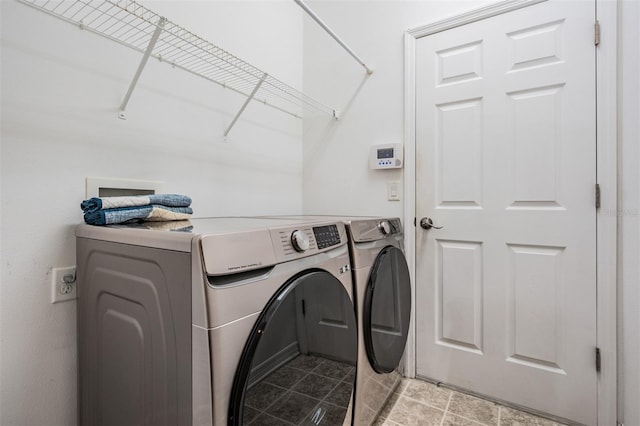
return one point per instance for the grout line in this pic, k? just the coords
(475, 422)
(270, 415)
(331, 391)
(290, 387)
(499, 406)
(419, 402)
(426, 403)
(446, 409)
(289, 390)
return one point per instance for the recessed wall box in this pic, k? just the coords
(114, 187)
(386, 156)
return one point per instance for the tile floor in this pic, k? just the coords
(309, 385)
(300, 392)
(416, 402)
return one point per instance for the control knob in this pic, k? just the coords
(299, 241)
(384, 227)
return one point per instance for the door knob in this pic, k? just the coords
(427, 223)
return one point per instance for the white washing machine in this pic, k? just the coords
(382, 290)
(222, 321)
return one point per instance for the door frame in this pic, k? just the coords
(606, 177)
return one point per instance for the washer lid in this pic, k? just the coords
(387, 310)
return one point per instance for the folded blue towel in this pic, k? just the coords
(137, 214)
(170, 200)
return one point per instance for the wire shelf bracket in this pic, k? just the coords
(143, 62)
(246, 102)
(128, 23)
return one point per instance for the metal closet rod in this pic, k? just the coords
(332, 34)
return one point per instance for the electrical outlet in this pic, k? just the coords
(63, 284)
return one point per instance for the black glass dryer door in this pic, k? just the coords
(387, 310)
(284, 375)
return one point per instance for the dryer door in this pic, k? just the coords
(284, 376)
(387, 310)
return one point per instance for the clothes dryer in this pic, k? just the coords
(383, 294)
(222, 321)
(382, 290)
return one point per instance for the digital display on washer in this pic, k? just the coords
(385, 153)
(326, 236)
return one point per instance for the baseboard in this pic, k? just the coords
(274, 362)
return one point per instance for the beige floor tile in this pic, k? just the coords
(367, 416)
(408, 412)
(406, 408)
(374, 393)
(391, 402)
(453, 420)
(428, 393)
(403, 384)
(384, 422)
(511, 417)
(474, 409)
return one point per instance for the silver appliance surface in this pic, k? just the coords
(383, 294)
(378, 267)
(178, 235)
(218, 304)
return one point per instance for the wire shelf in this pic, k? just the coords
(130, 24)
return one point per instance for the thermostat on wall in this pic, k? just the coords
(387, 156)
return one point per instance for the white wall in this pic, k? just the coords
(336, 174)
(629, 213)
(61, 88)
(60, 91)
(1, 261)
(336, 177)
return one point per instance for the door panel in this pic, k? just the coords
(328, 319)
(505, 161)
(535, 295)
(459, 300)
(460, 148)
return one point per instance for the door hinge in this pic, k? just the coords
(596, 33)
(414, 221)
(597, 196)
(304, 308)
(598, 360)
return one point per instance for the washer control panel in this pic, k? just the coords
(307, 239)
(251, 247)
(326, 236)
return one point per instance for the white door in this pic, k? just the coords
(505, 162)
(329, 318)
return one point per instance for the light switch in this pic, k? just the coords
(393, 191)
